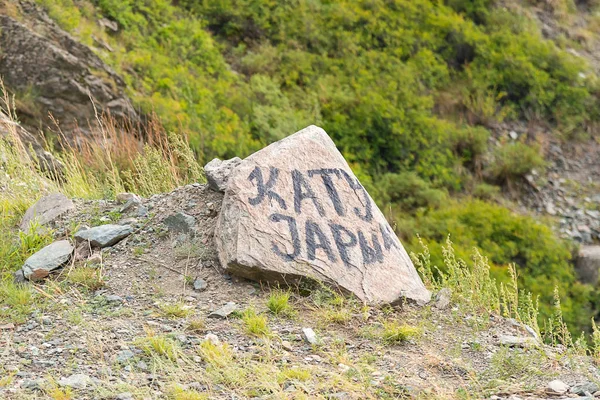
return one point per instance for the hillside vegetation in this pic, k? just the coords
(408, 89)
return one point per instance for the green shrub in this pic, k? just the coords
(513, 161)
(542, 260)
(409, 191)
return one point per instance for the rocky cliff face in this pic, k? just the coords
(58, 75)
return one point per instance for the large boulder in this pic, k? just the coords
(61, 75)
(46, 210)
(295, 209)
(48, 259)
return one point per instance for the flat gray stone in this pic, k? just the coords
(180, 223)
(295, 210)
(587, 264)
(76, 381)
(46, 210)
(309, 335)
(516, 341)
(557, 386)
(125, 355)
(218, 171)
(584, 389)
(49, 258)
(104, 235)
(200, 284)
(224, 311)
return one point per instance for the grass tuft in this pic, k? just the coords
(279, 303)
(255, 324)
(87, 277)
(175, 310)
(394, 332)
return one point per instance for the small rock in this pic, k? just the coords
(132, 204)
(287, 345)
(94, 259)
(113, 298)
(212, 338)
(584, 389)
(180, 222)
(125, 355)
(46, 210)
(76, 381)
(104, 235)
(46, 320)
(125, 197)
(218, 171)
(224, 311)
(442, 299)
(19, 277)
(514, 341)
(309, 335)
(557, 386)
(34, 384)
(48, 259)
(124, 396)
(200, 284)
(513, 135)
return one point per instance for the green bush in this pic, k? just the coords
(513, 161)
(409, 191)
(542, 260)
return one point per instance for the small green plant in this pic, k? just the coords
(196, 325)
(17, 301)
(176, 392)
(175, 310)
(293, 374)
(255, 324)
(394, 332)
(513, 161)
(516, 364)
(279, 303)
(215, 354)
(86, 277)
(159, 345)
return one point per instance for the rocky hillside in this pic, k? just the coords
(142, 311)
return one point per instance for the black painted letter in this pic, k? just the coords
(331, 190)
(366, 201)
(389, 237)
(370, 254)
(302, 190)
(316, 239)
(293, 233)
(265, 189)
(338, 233)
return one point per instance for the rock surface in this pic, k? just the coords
(180, 222)
(295, 209)
(104, 235)
(37, 53)
(224, 311)
(218, 172)
(48, 259)
(46, 210)
(557, 386)
(587, 264)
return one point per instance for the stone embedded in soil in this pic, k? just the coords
(584, 389)
(295, 209)
(125, 197)
(309, 335)
(76, 381)
(442, 299)
(557, 386)
(180, 222)
(224, 311)
(200, 284)
(516, 341)
(48, 259)
(104, 235)
(46, 210)
(218, 172)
